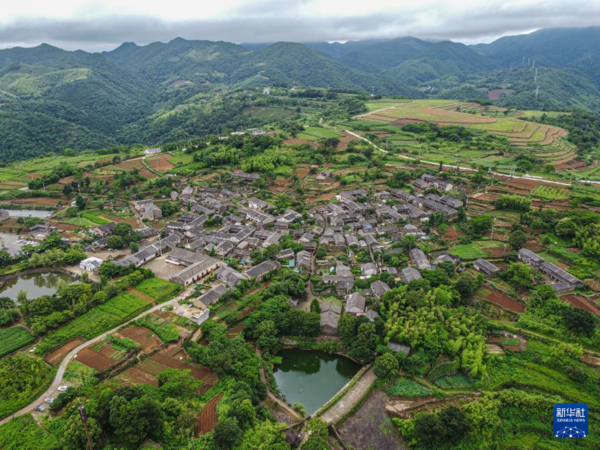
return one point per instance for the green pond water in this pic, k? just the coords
(35, 285)
(312, 378)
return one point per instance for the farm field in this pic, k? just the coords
(158, 289)
(14, 338)
(448, 112)
(96, 321)
(500, 299)
(553, 193)
(165, 330)
(147, 371)
(208, 417)
(147, 339)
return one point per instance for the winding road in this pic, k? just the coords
(58, 378)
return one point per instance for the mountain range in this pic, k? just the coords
(51, 98)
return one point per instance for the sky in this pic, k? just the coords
(105, 24)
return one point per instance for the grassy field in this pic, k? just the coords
(14, 338)
(158, 288)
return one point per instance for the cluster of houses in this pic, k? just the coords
(223, 224)
(562, 280)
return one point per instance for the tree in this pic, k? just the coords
(178, 383)
(133, 420)
(456, 423)
(115, 242)
(317, 440)
(386, 366)
(227, 433)
(122, 229)
(465, 288)
(74, 436)
(479, 225)
(315, 306)
(80, 202)
(519, 276)
(517, 239)
(579, 321)
(134, 247)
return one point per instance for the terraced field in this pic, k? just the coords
(519, 132)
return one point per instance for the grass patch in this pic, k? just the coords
(158, 289)
(408, 388)
(467, 251)
(452, 381)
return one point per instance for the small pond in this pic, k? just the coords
(312, 378)
(35, 285)
(29, 213)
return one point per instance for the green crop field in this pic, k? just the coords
(467, 251)
(158, 288)
(551, 192)
(407, 388)
(165, 330)
(14, 338)
(96, 321)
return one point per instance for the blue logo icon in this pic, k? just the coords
(570, 420)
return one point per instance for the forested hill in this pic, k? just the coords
(51, 99)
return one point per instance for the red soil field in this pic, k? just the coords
(160, 163)
(580, 302)
(298, 141)
(451, 233)
(302, 172)
(208, 417)
(38, 201)
(534, 246)
(146, 338)
(137, 376)
(94, 359)
(131, 164)
(495, 252)
(57, 355)
(401, 122)
(504, 301)
(147, 174)
(344, 141)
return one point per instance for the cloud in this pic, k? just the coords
(304, 21)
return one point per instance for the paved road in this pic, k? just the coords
(468, 169)
(354, 394)
(52, 391)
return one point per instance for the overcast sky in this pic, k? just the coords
(105, 24)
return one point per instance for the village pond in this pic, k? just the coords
(312, 378)
(35, 285)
